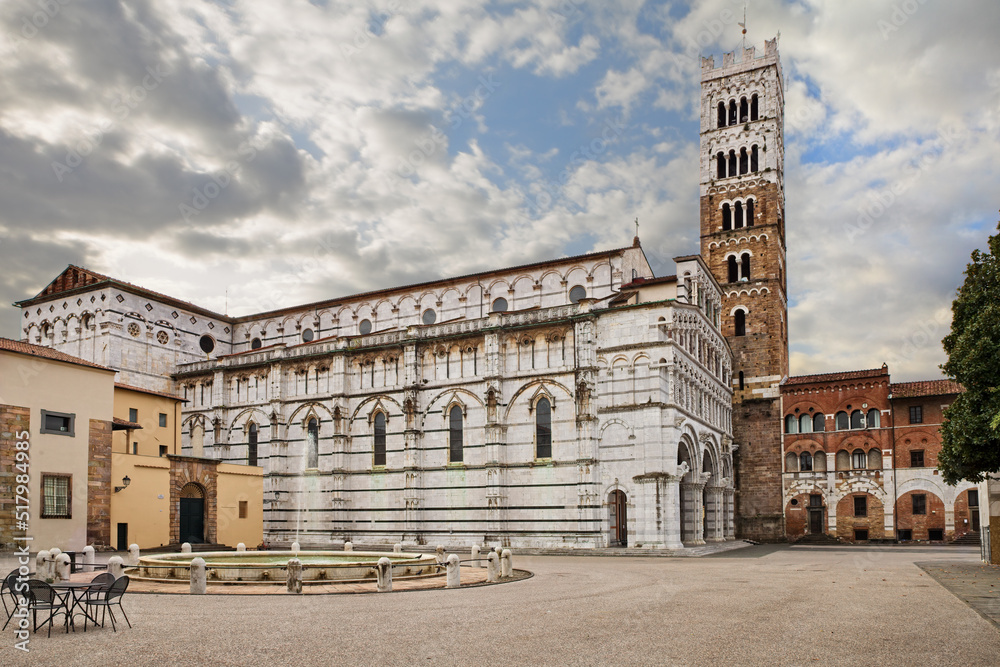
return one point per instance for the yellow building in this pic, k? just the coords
(55, 420)
(170, 498)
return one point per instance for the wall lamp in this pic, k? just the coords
(125, 482)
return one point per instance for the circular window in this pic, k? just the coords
(795, 501)
(255, 344)
(365, 327)
(133, 330)
(207, 344)
(430, 316)
(577, 293)
(307, 335)
(163, 337)
(500, 305)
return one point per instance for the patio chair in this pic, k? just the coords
(43, 597)
(101, 583)
(112, 596)
(7, 592)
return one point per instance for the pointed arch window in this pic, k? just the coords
(378, 454)
(543, 429)
(740, 322)
(252, 446)
(455, 451)
(312, 443)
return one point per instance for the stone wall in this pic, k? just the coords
(847, 523)
(99, 484)
(204, 473)
(13, 420)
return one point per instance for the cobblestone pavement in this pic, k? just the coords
(755, 606)
(975, 584)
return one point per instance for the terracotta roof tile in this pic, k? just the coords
(20, 347)
(123, 424)
(925, 388)
(836, 377)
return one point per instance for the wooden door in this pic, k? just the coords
(192, 520)
(816, 521)
(618, 515)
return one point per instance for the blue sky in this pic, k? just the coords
(248, 155)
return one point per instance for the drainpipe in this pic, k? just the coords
(895, 492)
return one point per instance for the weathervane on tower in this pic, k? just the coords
(744, 26)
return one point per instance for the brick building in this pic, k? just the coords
(860, 456)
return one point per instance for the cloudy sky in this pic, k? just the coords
(294, 151)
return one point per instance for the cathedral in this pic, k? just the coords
(579, 402)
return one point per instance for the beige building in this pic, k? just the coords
(61, 407)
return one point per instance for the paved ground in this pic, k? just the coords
(755, 606)
(975, 584)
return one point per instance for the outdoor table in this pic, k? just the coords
(77, 591)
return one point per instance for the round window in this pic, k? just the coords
(500, 305)
(795, 501)
(207, 344)
(163, 337)
(307, 335)
(577, 293)
(429, 316)
(365, 327)
(133, 330)
(255, 344)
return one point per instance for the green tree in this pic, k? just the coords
(971, 431)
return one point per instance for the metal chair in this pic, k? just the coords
(112, 596)
(7, 590)
(44, 597)
(101, 583)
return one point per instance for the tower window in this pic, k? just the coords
(739, 214)
(722, 114)
(749, 212)
(753, 158)
(744, 161)
(732, 112)
(740, 322)
(753, 108)
(732, 163)
(378, 449)
(741, 378)
(727, 217)
(745, 266)
(744, 110)
(734, 272)
(543, 429)
(720, 165)
(455, 435)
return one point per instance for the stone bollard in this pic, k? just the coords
(241, 547)
(454, 572)
(295, 547)
(397, 548)
(53, 552)
(441, 558)
(116, 566)
(348, 546)
(199, 579)
(383, 571)
(475, 556)
(133, 555)
(506, 564)
(62, 567)
(186, 548)
(294, 581)
(492, 568)
(88, 556)
(42, 565)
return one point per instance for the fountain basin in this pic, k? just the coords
(271, 566)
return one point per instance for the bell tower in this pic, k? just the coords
(743, 243)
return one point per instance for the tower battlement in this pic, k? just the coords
(748, 60)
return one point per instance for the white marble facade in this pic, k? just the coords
(635, 374)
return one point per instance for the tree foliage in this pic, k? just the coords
(971, 431)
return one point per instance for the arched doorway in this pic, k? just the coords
(192, 514)
(618, 515)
